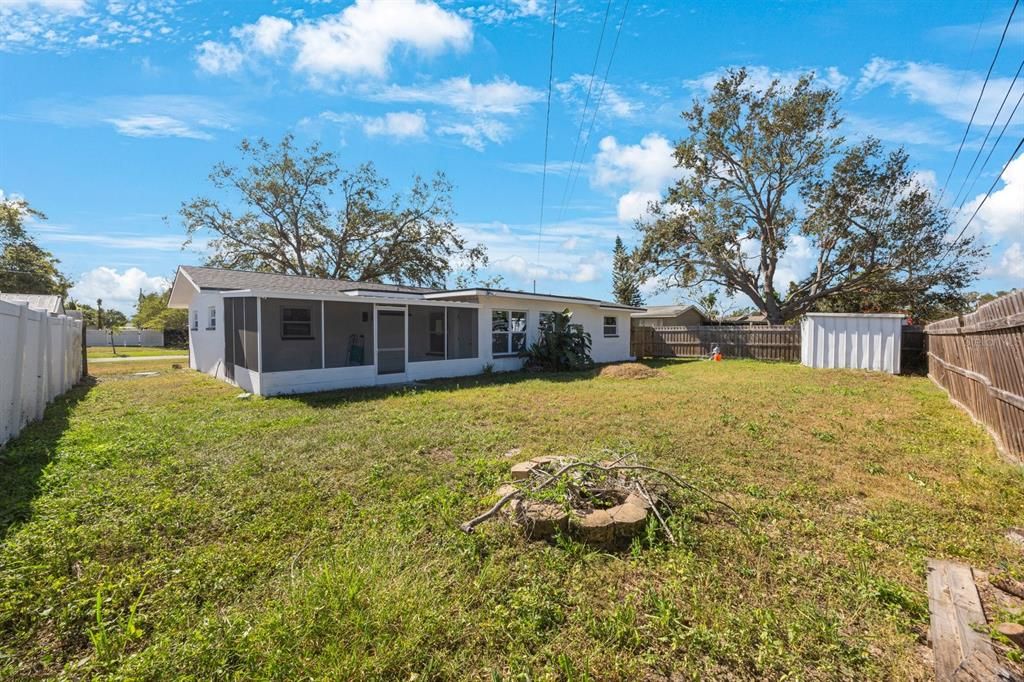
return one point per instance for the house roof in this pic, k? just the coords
(192, 279)
(51, 303)
(668, 311)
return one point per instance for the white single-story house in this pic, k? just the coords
(274, 334)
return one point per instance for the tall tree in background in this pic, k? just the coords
(766, 171)
(152, 312)
(288, 222)
(25, 268)
(625, 279)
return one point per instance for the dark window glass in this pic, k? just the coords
(296, 323)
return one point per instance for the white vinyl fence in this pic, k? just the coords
(40, 358)
(150, 338)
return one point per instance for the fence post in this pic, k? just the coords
(19, 368)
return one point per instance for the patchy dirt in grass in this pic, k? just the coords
(628, 370)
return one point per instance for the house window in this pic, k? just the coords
(508, 331)
(611, 326)
(296, 323)
(195, 320)
(211, 317)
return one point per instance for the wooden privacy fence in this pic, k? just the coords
(780, 342)
(776, 342)
(40, 358)
(979, 359)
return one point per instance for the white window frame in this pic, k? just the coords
(195, 320)
(509, 332)
(614, 326)
(285, 323)
(211, 318)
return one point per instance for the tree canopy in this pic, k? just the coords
(625, 278)
(765, 173)
(151, 312)
(25, 267)
(298, 212)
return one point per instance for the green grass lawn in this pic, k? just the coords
(157, 527)
(131, 351)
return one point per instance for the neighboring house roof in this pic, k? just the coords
(752, 318)
(51, 303)
(667, 311)
(191, 279)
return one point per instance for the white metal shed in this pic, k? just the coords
(852, 341)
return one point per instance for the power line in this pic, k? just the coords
(987, 195)
(995, 144)
(980, 96)
(989, 132)
(586, 103)
(600, 97)
(547, 128)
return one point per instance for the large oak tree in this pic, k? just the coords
(25, 267)
(298, 212)
(767, 170)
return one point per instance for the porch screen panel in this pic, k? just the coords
(463, 333)
(229, 344)
(236, 338)
(290, 334)
(426, 333)
(250, 337)
(348, 334)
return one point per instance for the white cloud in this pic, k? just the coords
(399, 125)
(56, 6)
(1013, 261)
(760, 77)
(1003, 213)
(952, 93)
(266, 36)
(476, 134)
(118, 290)
(492, 13)
(219, 59)
(500, 96)
(145, 116)
(645, 170)
(613, 103)
(157, 126)
(361, 38)
(63, 25)
(358, 41)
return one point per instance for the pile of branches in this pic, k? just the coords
(601, 503)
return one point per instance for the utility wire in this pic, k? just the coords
(980, 96)
(987, 195)
(597, 105)
(989, 132)
(995, 144)
(547, 128)
(586, 105)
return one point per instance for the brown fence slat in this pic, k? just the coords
(979, 360)
(777, 342)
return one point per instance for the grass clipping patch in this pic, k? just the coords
(606, 504)
(628, 370)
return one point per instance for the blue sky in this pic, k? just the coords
(113, 112)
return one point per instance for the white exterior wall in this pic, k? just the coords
(40, 358)
(206, 346)
(851, 341)
(206, 349)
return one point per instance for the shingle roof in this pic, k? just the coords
(666, 310)
(51, 303)
(227, 280)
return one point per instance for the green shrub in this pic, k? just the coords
(562, 345)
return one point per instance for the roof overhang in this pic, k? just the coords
(482, 293)
(182, 291)
(347, 297)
